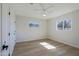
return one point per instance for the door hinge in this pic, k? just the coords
(9, 13)
(9, 54)
(9, 34)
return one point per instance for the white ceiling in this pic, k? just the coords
(35, 10)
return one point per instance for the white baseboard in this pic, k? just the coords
(64, 42)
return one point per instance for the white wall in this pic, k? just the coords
(67, 37)
(0, 29)
(25, 33)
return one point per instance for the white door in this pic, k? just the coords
(0, 29)
(5, 30)
(8, 30)
(12, 31)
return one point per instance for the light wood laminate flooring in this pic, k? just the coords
(35, 48)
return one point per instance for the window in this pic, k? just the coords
(33, 24)
(63, 25)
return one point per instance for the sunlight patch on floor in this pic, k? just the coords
(47, 45)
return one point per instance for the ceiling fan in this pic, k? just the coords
(44, 10)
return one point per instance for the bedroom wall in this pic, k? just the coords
(67, 37)
(26, 33)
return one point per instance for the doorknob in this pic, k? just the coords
(4, 47)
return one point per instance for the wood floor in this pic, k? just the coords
(34, 48)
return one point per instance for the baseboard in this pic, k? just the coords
(64, 42)
(31, 40)
(55, 39)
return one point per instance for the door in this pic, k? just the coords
(5, 30)
(12, 31)
(0, 29)
(8, 30)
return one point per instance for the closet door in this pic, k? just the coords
(0, 29)
(5, 29)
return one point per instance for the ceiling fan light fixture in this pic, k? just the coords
(44, 14)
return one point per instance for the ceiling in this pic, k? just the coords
(37, 10)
